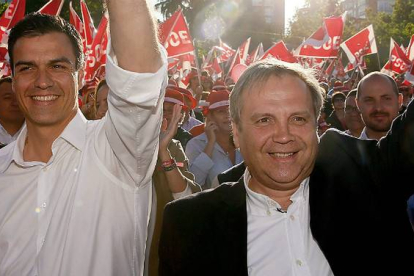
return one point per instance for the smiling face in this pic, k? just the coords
(45, 79)
(277, 134)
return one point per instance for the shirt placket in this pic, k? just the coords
(41, 209)
(293, 231)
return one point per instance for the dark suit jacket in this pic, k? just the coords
(358, 195)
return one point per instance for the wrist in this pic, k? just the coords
(168, 165)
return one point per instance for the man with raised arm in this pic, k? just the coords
(75, 194)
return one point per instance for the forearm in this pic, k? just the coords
(176, 181)
(134, 35)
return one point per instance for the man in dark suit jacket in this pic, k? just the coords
(357, 191)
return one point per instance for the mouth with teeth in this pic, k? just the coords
(282, 154)
(48, 98)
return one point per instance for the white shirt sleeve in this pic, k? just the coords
(132, 123)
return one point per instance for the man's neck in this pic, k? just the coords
(12, 127)
(39, 140)
(371, 134)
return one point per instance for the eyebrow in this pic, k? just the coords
(53, 61)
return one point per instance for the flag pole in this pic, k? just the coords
(379, 64)
(196, 62)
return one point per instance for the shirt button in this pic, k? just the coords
(44, 205)
(292, 217)
(299, 262)
(45, 169)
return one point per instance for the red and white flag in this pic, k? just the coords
(279, 51)
(227, 53)
(88, 26)
(256, 54)
(398, 62)
(8, 15)
(14, 13)
(75, 20)
(409, 75)
(359, 45)
(96, 55)
(324, 43)
(178, 41)
(410, 49)
(53, 7)
(244, 50)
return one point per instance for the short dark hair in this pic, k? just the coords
(377, 74)
(37, 24)
(5, 79)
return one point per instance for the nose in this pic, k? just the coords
(43, 79)
(282, 133)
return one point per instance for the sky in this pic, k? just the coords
(290, 9)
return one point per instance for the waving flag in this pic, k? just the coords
(9, 18)
(256, 54)
(75, 20)
(53, 7)
(398, 62)
(88, 27)
(244, 50)
(324, 43)
(359, 45)
(96, 55)
(409, 76)
(279, 51)
(178, 40)
(410, 49)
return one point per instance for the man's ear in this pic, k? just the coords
(81, 79)
(235, 135)
(400, 99)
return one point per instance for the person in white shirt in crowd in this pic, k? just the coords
(213, 151)
(379, 102)
(75, 195)
(11, 117)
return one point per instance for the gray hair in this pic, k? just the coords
(261, 71)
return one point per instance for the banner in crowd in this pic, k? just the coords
(324, 43)
(398, 62)
(53, 7)
(359, 45)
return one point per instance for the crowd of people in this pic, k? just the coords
(276, 174)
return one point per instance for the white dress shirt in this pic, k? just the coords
(86, 211)
(278, 242)
(6, 138)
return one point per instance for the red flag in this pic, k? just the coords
(96, 55)
(235, 60)
(409, 76)
(359, 45)
(410, 49)
(324, 43)
(19, 13)
(279, 51)
(398, 63)
(8, 15)
(244, 50)
(178, 41)
(166, 27)
(88, 27)
(256, 54)
(53, 7)
(228, 51)
(75, 20)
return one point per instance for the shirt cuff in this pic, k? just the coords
(184, 193)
